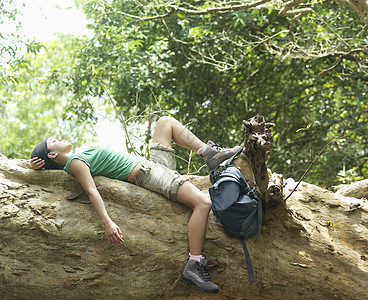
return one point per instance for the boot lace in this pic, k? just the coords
(203, 272)
(217, 147)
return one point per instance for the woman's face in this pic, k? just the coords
(58, 145)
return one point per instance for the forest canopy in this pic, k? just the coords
(210, 64)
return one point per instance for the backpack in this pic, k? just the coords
(235, 204)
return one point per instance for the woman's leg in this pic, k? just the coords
(169, 129)
(195, 271)
(191, 196)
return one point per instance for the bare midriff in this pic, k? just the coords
(133, 174)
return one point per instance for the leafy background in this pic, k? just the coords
(207, 67)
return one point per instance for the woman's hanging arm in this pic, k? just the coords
(82, 173)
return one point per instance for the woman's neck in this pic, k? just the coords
(62, 158)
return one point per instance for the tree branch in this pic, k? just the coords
(339, 60)
(174, 8)
(222, 9)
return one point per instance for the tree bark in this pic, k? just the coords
(314, 246)
(356, 190)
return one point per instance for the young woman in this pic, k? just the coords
(157, 174)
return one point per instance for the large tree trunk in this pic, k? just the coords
(314, 246)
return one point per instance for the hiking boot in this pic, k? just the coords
(214, 155)
(196, 273)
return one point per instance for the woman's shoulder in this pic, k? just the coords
(77, 156)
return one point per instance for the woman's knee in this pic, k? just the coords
(204, 203)
(166, 120)
(164, 131)
(191, 196)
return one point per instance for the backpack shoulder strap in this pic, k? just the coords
(247, 258)
(260, 217)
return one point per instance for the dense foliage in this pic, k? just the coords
(12, 44)
(212, 70)
(35, 106)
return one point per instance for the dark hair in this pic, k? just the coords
(41, 151)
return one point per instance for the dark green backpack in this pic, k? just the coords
(235, 204)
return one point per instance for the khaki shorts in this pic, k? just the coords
(158, 174)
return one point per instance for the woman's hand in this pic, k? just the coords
(37, 163)
(113, 232)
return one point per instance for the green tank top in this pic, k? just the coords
(105, 162)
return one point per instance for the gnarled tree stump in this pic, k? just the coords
(252, 162)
